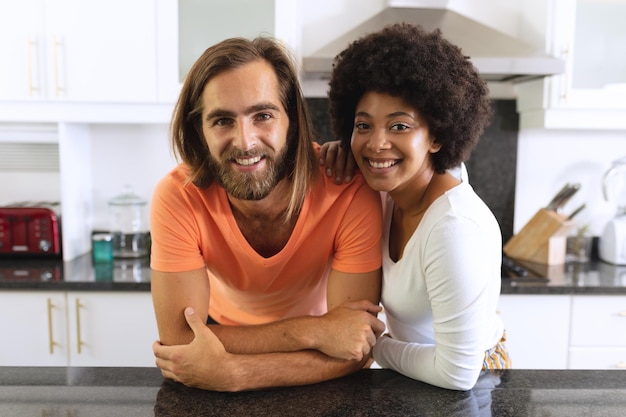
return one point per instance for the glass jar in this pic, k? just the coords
(129, 225)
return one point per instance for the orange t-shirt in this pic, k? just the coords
(339, 227)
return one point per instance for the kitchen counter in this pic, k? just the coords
(131, 392)
(81, 274)
(595, 277)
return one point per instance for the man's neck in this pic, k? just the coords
(272, 207)
(263, 222)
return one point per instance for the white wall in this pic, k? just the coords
(547, 159)
(137, 155)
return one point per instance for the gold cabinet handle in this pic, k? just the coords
(32, 86)
(79, 340)
(621, 365)
(622, 313)
(51, 342)
(58, 87)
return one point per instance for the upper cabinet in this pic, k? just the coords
(78, 51)
(188, 27)
(118, 61)
(591, 94)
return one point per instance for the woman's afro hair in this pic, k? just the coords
(424, 70)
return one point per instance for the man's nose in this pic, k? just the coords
(245, 136)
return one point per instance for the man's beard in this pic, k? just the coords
(249, 185)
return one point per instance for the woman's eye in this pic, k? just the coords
(399, 126)
(361, 126)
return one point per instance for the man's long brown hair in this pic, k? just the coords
(188, 142)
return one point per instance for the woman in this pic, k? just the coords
(411, 106)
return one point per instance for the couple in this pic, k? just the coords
(265, 272)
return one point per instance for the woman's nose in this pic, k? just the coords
(378, 141)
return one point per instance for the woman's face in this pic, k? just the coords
(391, 142)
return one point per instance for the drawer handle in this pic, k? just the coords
(79, 339)
(622, 313)
(51, 342)
(621, 365)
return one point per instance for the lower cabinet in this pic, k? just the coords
(77, 328)
(537, 328)
(598, 336)
(565, 331)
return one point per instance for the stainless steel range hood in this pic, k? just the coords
(497, 56)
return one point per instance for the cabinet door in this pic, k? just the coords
(597, 358)
(102, 51)
(537, 328)
(111, 329)
(599, 321)
(21, 49)
(33, 328)
(592, 36)
(74, 50)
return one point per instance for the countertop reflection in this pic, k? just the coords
(370, 392)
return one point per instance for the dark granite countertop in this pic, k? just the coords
(81, 274)
(131, 392)
(595, 277)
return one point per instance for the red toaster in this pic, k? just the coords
(29, 231)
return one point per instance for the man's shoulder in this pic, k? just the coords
(325, 189)
(176, 183)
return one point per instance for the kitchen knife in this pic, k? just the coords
(562, 197)
(553, 204)
(569, 193)
(575, 212)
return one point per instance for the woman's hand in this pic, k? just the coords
(338, 161)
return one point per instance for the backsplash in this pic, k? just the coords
(491, 168)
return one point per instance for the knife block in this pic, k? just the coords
(542, 240)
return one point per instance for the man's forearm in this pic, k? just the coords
(249, 372)
(289, 335)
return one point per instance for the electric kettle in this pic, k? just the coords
(612, 244)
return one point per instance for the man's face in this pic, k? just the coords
(245, 127)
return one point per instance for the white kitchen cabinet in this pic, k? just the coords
(77, 328)
(598, 332)
(537, 328)
(33, 326)
(187, 27)
(77, 50)
(111, 329)
(591, 37)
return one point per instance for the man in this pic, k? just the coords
(281, 264)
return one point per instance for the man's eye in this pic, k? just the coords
(223, 122)
(264, 116)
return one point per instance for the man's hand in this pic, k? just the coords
(349, 331)
(338, 161)
(203, 363)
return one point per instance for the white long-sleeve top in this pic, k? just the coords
(440, 298)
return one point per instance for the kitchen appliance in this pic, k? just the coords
(129, 225)
(496, 55)
(612, 243)
(30, 229)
